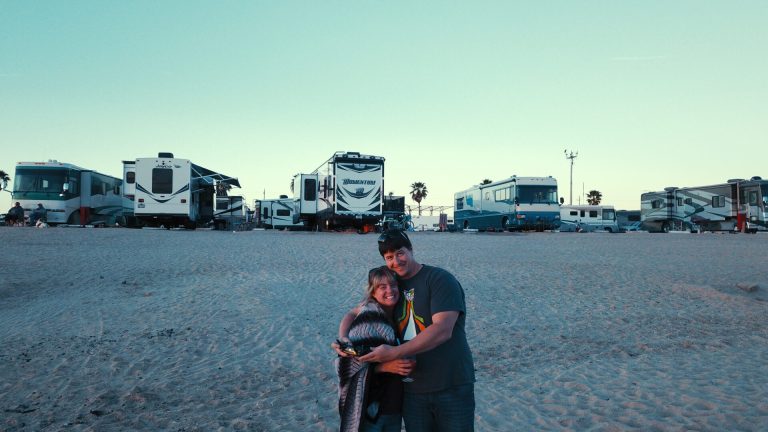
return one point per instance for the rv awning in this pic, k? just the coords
(212, 177)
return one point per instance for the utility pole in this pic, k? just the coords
(571, 156)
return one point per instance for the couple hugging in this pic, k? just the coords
(427, 382)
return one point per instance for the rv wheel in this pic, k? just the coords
(466, 224)
(665, 227)
(504, 223)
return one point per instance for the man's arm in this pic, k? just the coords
(433, 336)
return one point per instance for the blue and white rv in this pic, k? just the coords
(588, 218)
(736, 205)
(71, 195)
(513, 204)
(276, 213)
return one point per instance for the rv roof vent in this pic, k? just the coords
(283, 196)
(670, 189)
(735, 180)
(165, 155)
(756, 178)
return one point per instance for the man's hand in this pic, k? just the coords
(400, 367)
(380, 354)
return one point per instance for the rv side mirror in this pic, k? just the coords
(562, 200)
(65, 188)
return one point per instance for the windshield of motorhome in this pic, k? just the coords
(49, 180)
(537, 194)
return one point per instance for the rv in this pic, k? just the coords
(231, 213)
(72, 195)
(737, 204)
(588, 218)
(277, 213)
(513, 204)
(346, 191)
(173, 192)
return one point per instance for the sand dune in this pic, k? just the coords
(117, 329)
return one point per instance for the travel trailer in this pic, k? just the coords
(588, 218)
(513, 204)
(736, 205)
(345, 192)
(231, 213)
(173, 192)
(277, 213)
(71, 195)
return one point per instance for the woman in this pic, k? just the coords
(370, 395)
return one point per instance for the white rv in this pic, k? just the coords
(71, 195)
(346, 191)
(588, 218)
(171, 191)
(514, 204)
(278, 213)
(231, 213)
(738, 204)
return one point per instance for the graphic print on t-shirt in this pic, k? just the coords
(408, 323)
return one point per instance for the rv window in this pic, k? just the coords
(753, 198)
(266, 212)
(633, 218)
(688, 201)
(130, 177)
(310, 190)
(283, 212)
(679, 202)
(574, 213)
(162, 180)
(459, 203)
(221, 205)
(718, 201)
(609, 214)
(582, 213)
(656, 204)
(593, 213)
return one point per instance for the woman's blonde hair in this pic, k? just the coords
(376, 276)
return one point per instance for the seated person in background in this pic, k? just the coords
(15, 215)
(37, 214)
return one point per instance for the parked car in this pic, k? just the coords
(634, 226)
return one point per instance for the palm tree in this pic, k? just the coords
(486, 181)
(418, 193)
(4, 179)
(594, 197)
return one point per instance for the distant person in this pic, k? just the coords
(15, 215)
(371, 394)
(38, 214)
(431, 319)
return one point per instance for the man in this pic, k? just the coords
(15, 215)
(37, 214)
(431, 316)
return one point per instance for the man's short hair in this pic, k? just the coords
(392, 240)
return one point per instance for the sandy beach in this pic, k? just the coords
(119, 329)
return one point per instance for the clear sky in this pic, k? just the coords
(651, 94)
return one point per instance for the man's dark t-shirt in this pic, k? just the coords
(430, 291)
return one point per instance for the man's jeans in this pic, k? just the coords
(447, 410)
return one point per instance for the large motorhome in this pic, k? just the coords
(276, 213)
(588, 218)
(737, 205)
(346, 191)
(514, 204)
(72, 195)
(173, 192)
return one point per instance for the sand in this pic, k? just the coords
(119, 329)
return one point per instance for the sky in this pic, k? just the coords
(650, 94)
